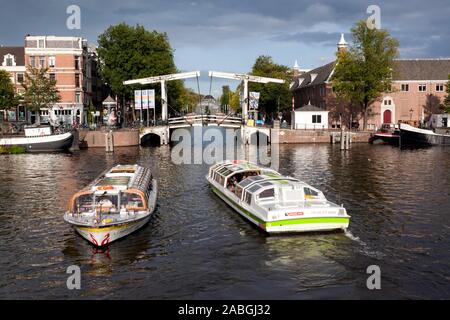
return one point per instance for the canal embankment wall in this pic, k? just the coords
(130, 137)
(97, 139)
(316, 136)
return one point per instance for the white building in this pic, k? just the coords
(439, 120)
(309, 117)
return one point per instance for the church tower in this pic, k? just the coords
(342, 45)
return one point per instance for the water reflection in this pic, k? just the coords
(197, 247)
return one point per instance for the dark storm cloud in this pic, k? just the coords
(325, 38)
(421, 26)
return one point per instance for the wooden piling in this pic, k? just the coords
(109, 141)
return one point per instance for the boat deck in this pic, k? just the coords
(90, 219)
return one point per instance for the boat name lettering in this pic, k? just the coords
(294, 214)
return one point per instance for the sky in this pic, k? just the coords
(228, 35)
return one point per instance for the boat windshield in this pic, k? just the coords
(131, 201)
(84, 203)
(107, 203)
(104, 203)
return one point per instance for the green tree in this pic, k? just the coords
(188, 100)
(365, 71)
(40, 90)
(235, 100)
(274, 97)
(89, 110)
(225, 98)
(446, 104)
(128, 52)
(8, 98)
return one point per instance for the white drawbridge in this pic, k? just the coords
(246, 78)
(162, 80)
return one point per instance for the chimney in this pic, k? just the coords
(342, 45)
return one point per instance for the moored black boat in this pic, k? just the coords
(40, 139)
(411, 136)
(388, 134)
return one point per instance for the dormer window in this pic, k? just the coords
(9, 60)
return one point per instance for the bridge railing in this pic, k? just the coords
(219, 119)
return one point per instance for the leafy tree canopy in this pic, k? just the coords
(40, 90)
(446, 104)
(365, 71)
(226, 96)
(132, 52)
(8, 98)
(273, 96)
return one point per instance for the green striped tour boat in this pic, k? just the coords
(275, 203)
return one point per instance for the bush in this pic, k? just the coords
(12, 150)
(16, 150)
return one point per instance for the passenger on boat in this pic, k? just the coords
(106, 204)
(232, 183)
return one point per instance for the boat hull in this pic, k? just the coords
(102, 236)
(410, 136)
(385, 138)
(53, 143)
(299, 225)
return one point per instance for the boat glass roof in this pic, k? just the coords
(249, 180)
(114, 181)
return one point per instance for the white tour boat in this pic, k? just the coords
(114, 205)
(275, 203)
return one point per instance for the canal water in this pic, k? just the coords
(196, 247)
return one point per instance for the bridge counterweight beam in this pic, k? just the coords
(245, 102)
(164, 111)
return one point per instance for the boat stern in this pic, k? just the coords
(291, 222)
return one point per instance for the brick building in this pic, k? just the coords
(71, 62)
(64, 56)
(417, 90)
(12, 60)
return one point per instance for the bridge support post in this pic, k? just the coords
(164, 111)
(165, 136)
(245, 104)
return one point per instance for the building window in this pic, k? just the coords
(439, 87)
(316, 118)
(9, 61)
(422, 87)
(41, 43)
(33, 62)
(52, 76)
(77, 63)
(77, 97)
(405, 87)
(51, 61)
(42, 62)
(20, 77)
(388, 102)
(77, 80)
